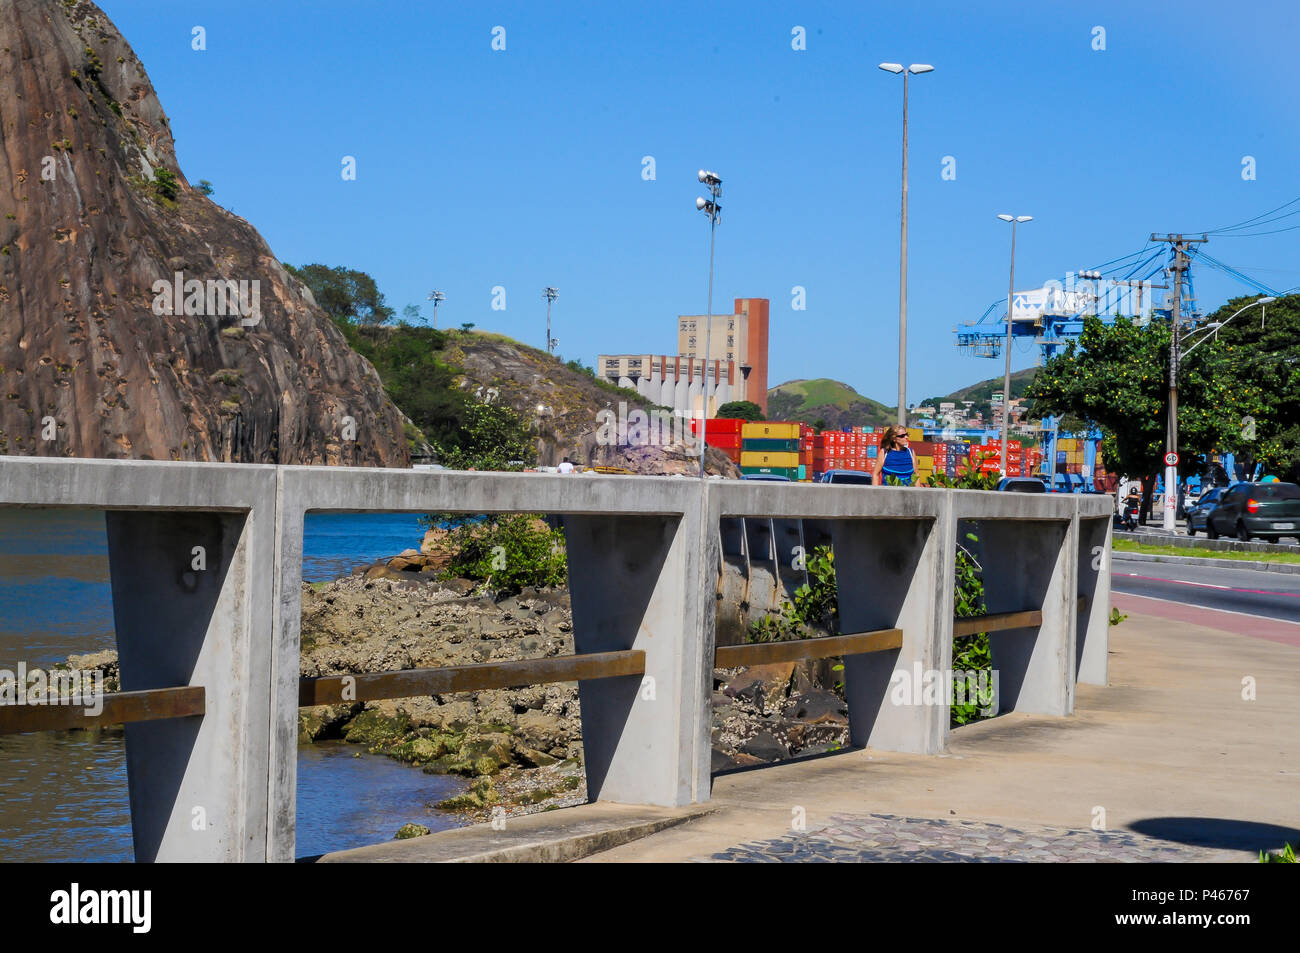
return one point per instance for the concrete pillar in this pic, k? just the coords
(1092, 632)
(184, 607)
(640, 582)
(896, 573)
(1030, 564)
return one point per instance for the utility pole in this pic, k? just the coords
(1179, 244)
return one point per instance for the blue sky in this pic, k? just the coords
(523, 167)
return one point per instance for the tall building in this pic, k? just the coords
(739, 338)
(671, 380)
(737, 362)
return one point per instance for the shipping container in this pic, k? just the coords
(789, 472)
(773, 458)
(759, 444)
(782, 430)
(724, 441)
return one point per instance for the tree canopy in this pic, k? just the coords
(346, 295)
(1239, 393)
(740, 410)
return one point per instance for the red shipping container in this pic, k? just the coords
(724, 441)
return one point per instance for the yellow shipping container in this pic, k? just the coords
(1067, 443)
(769, 458)
(915, 433)
(772, 429)
(924, 463)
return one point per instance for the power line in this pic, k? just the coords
(1249, 220)
(1275, 231)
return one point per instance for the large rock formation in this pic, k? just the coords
(96, 210)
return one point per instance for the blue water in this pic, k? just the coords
(63, 795)
(333, 544)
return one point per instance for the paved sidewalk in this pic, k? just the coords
(890, 838)
(1170, 759)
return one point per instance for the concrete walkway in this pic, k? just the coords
(1169, 757)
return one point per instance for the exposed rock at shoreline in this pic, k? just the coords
(522, 746)
(356, 625)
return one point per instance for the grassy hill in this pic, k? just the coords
(834, 402)
(981, 392)
(839, 405)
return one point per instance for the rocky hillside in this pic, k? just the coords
(94, 360)
(563, 404)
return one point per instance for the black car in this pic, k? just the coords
(1198, 513)
(1256, 510)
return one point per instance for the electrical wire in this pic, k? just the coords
(1225, 228)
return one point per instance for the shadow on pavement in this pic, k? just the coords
(1218, 832)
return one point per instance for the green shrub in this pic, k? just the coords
(508, 552)
(166, 184)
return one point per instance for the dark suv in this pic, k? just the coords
(1256, 510)
(1198, 514)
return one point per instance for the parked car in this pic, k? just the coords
(860, 477)
(1199, 512)
(1256, 510)
(1021, 485)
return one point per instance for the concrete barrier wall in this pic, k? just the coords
(644, 554)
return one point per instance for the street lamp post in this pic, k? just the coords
(902, 264)
(1006, 381)
(436, 297)
(1171, 471)
(551, 294)
(711, 208)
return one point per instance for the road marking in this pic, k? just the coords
(1210, 585)
(1192, 605)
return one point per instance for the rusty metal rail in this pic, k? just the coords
(830, 646)
(410, 683)
(119, 708)
(965, 626)
(995, 622)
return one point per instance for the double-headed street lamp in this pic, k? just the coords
(711, 208)
(551, 294)
(1170, 515)
(902, 266)
(436, 297)
(1006, 381)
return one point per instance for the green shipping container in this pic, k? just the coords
(790, 472)
(769, 444)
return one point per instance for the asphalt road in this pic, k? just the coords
(1272, 594)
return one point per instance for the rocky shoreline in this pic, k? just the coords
(521, 747)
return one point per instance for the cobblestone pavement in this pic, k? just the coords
(890, 837)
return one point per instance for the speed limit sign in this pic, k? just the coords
(1171, 459)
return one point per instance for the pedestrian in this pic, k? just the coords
(565, 467)
(895, 457)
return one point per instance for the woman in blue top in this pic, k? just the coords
(895, 458)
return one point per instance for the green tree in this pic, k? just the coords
(1116, 378)
(205, 187)
(740, 410)
(1257, 359)
(491, 437)
(346, 295)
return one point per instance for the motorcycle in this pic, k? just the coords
(1129, 515)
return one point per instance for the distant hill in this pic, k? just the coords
(834, 402)
(839, 405)
(982, 392)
